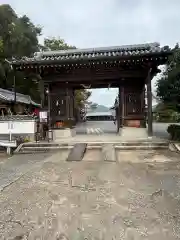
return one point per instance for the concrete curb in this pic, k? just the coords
(47, 147)
(176, 147)
(136, 147)
(31, 150)
(18, 148)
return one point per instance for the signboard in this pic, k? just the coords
(17, 127)
(43, 116)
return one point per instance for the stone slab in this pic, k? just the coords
(77, 153)
(59, 134)
(132, 133)
(108, 152)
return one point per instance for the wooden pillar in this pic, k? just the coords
(149, 104)
(118, 107)
(42, 93)
(49, 107)
(70, 106)
(120, 111)
(143, 108)
(122, 106)
(73, 104)
(67, 104)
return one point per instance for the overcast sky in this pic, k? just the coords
(98, 23)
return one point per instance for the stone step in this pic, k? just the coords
(41, 149)
(34, 144)
(142, 143)
(44, 147)
(141, 147)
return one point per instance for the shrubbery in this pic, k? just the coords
(174, 131)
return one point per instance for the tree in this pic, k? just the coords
(165, 113)
(1, 46)
(53, 44)
(59, 44)
(2, 73)
(19, 34)
(168, 87)
(19, 37)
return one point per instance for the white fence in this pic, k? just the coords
(10, 129)
(17, 127)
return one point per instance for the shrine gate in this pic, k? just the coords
(129, 68)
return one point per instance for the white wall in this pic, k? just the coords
(18, 127)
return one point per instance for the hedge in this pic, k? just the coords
(174, 131)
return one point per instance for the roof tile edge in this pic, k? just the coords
(132, 47)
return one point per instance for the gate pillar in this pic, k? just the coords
(134, 107)
(62, 112)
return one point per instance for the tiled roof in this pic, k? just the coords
(7, 95)
(94, 53)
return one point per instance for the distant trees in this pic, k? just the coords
(18, 38)
(168, 87)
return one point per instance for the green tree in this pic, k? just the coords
(168, 87)
(1, 46)
(19, 34)
(54, 44)
(18, 38)
(165, 113)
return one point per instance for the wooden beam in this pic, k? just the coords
(93, 77)
(99, 84)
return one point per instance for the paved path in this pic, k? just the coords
(93, 199)
(96, 127)
(108, 127)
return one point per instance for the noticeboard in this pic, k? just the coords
(43, 116)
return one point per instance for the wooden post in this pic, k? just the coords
(143, 107)
(122, 106)
(149, 105)
(41, 87)
(118, 111)
(71, 104)
(67, 103)
(49, 109)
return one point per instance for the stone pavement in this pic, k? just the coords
(137, 197)
(13, 168)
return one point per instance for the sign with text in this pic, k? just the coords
(43, 116)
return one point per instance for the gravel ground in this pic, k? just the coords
(92, 199)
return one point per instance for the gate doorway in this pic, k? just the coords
(128, 68)
(99, 113)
